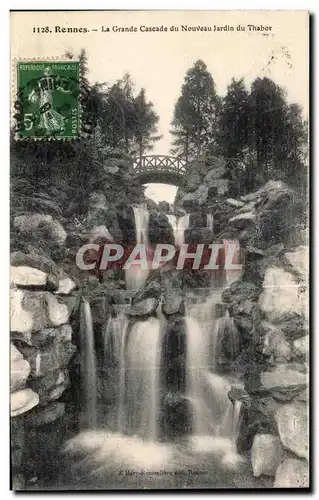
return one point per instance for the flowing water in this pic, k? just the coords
(88, 368)
(142, 378)
(210, 222)
(132, 359)
(179, 227)
(214, 414)
(136, 275)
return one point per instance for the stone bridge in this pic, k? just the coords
(160, 169)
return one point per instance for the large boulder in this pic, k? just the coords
(144, 308)
(301, 346)
(35, 226)
(267, 216)
(284, 379)
(27, 277)
(49, 357)
(276, 347)
(266, 454)
(171, 285)
(292, 473)
(292, 421)
(282, 296)
(159, 229)
(19, 370)
(34, 311)
(40, 262)
(299, 260)
(23, 401)
(66, 286)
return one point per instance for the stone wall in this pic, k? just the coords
(269, 304)
(42, 300)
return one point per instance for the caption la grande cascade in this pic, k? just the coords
(134, 29)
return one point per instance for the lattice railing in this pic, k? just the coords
(159, 163)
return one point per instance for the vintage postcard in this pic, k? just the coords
(159, 223)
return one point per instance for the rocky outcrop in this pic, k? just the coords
(266, 454)
(269, 305)
(41, 348)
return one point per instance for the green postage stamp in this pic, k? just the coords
(47, 103)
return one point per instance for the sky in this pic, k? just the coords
(158, 61)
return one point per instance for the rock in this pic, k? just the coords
(292, 473)
(150, 289)
(126, 222)
(282, 378)
(159, 229)
(42, 416)
(21, 320)
(243, 219)
(40, 262)
(241, 298)
(171, 291)
(43, 226)
(23, 401)
(53, 356)
(292, 421)
(234, 203)
(301, 346)
(40, 204)
(266, 454)
(66, 286)
(268, 215)
(19, 370)
(151, 204)
(144, 308)
(51, 385)
(282, 296)
(23, 276)
(18, 482)
(275, 344)
(228, 341)
(58, 313)
(163, 206)
(299, 259)
(100, 235)
(238, 393)
(303, 395)
(34, 311)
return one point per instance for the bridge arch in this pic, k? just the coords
(160, 169)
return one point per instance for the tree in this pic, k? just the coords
(268, 114)
(233, 127)
(146, 123)
(195, 114)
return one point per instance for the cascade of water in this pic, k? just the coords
(210, 222)
(179, 227)
(88, 368)
(135, 276)
(214, 412)
(114, 345)
(142, 360)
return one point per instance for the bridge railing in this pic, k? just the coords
(159, 163)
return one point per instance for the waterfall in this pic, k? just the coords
(142, 378)
(135, 276)
(141, 216)
(214, 414)
(114, 349)
(179, 227)
(88, 368)
(210, 222)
